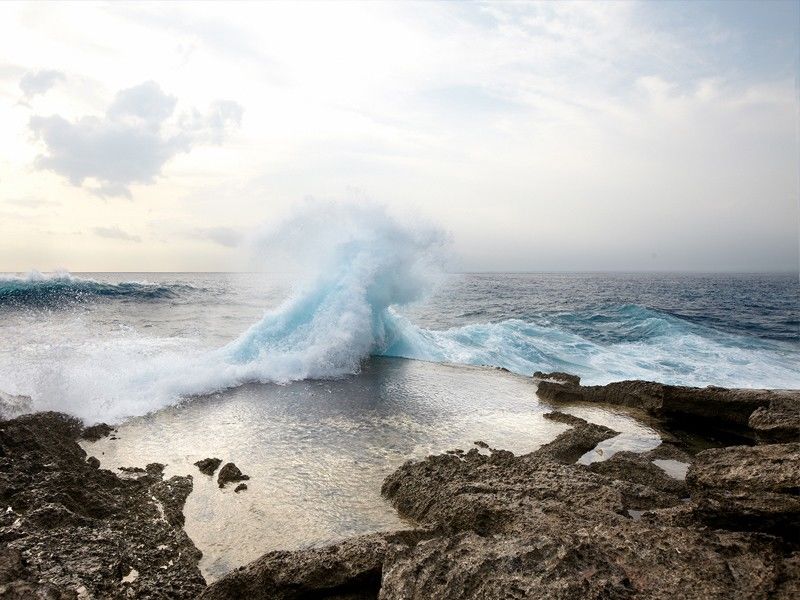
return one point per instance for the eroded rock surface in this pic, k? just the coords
(748, 488)
(74, 530)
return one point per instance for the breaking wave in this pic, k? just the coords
(60, 289)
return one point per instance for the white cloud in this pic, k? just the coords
(131, 143)
(39, 82)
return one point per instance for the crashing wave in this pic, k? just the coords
(56, 289)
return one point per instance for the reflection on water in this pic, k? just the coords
(318, 451)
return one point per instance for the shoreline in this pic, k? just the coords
(489, 524)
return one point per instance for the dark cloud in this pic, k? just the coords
(115, 233)
(39, 82)
(131, 143)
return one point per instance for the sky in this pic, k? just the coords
(542, 137)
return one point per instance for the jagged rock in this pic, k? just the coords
(78, 528)
(230, 472)
(557, 377)
(96, 432)
(350, 570)
(748, 488)
(207, 466)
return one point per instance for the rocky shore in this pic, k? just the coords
(486, 523)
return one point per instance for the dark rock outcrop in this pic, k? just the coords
(770, 413)
(240, 488)
(74, 530)
(207, 466)
(557, 377)
(574, 443)
(96, 432)
(229, 473)
(350, 570)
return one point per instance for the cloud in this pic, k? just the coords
(115, 233)
(39, 82)
(224, 236)
(31, 202)
(132, 142)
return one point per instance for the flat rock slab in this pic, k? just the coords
(749, 487)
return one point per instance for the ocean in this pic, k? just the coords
(113, 345)
(319, 386)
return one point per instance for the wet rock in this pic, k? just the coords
(207, 466)
(79, 529)
(349, 570)
(565, 418)
(230, 472)
(557, 377)
(240, 488)
(96, 432)
(574, 443)
(748, 488)
(93, 462)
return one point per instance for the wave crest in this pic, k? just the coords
(57, 289)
